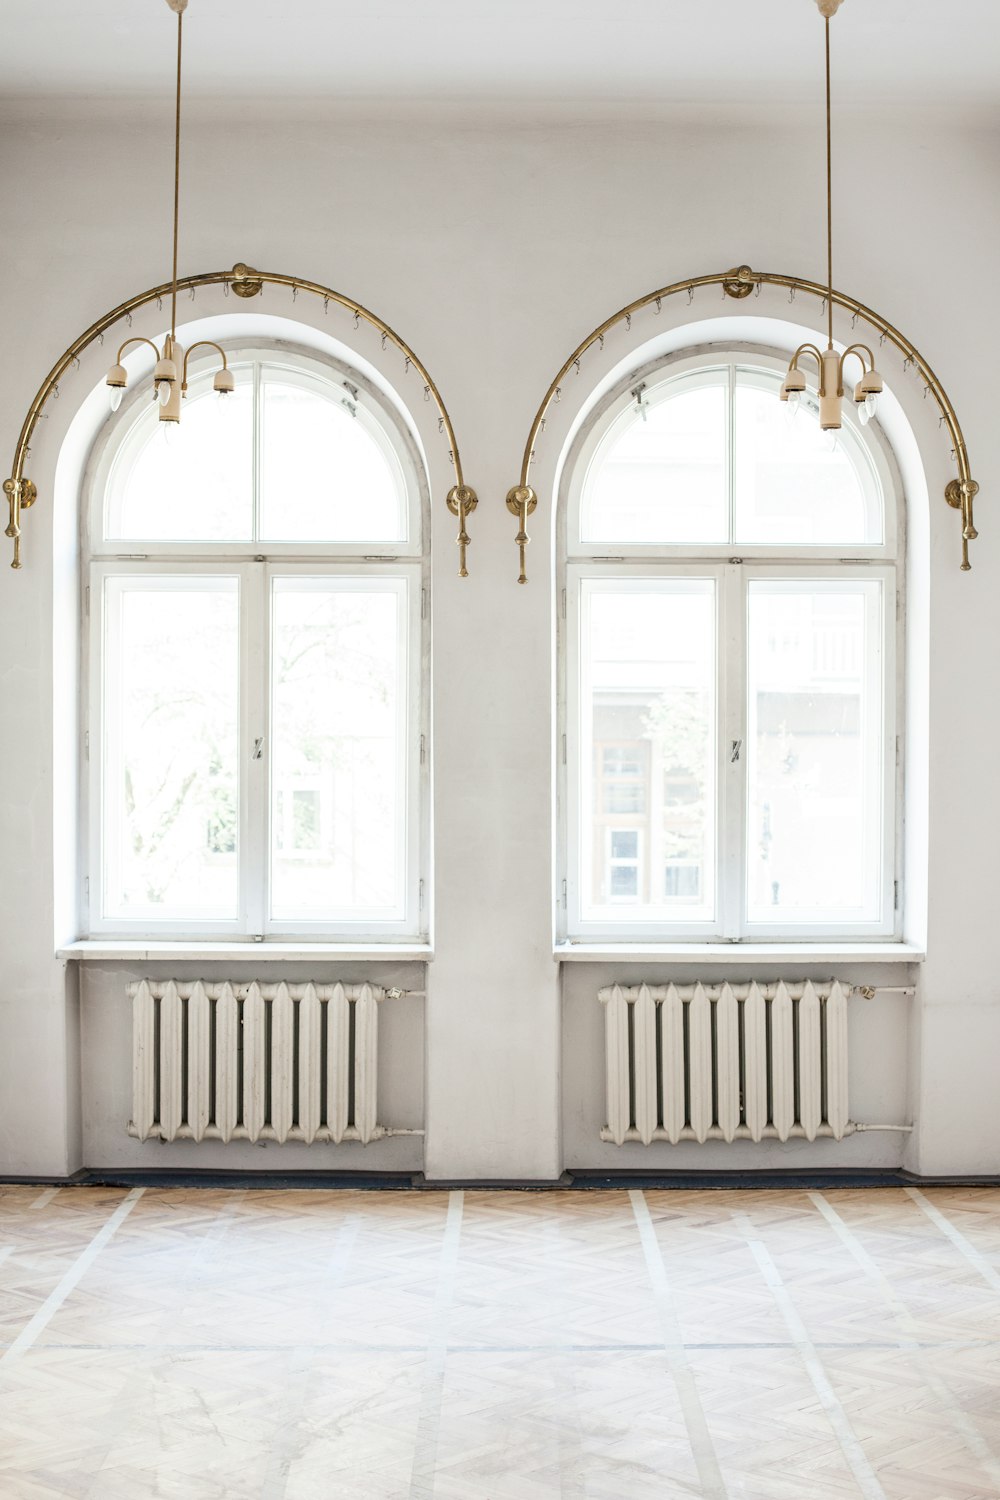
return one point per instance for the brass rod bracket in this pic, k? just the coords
(739, 283)
(20, 494)
(246, 282)
(521, 501)
(462, 501)
(28, 493)
(956, 489)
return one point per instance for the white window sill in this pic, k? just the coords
(92, 949)
(739, 953)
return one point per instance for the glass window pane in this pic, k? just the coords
(659, 477)
(788, 486)
(327, 473)
(814, 837)
(648, 749)
(338, 799)
(189, 481)
(171, 785)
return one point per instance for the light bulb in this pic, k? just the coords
(831, 439)
(864, 413)
(170, 433)
(794, 399)
(871, 403)
(115, 393)
(163, 391)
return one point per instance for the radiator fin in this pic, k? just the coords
(143, 1061)
(809, 1060)
(755, 1062)
(227, 1031)
(836, 1058)
(365, 1062)
(310, 1078)
(171, 1060)
(727, 1069)
(644, 1026)
(338, 1067)
(672, 1058)
(282, 1063)
(782, 1064)
(255, 1079)
(700, 1063)
(199, 1101)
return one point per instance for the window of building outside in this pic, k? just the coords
(728, 650)
(255, 704)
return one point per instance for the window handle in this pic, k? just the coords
(258, 748)
(735, 752)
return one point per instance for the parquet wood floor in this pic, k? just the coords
(207, 1345)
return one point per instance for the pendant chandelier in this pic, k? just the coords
(830, 364)
(170, 374)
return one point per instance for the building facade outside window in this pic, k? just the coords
(256, 705)
(728, 649)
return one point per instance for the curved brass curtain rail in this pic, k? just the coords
(739, 283)
(246, 282)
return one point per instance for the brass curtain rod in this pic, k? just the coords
(246, 282)
(739, 283)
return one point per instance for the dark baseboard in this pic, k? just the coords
(768, 1180)
(580, 1181)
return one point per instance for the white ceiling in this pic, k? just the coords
(537, 55)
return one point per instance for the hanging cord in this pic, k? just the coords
(177, 173)
(829, 195)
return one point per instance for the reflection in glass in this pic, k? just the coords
(171, 791)
(338, 711)
(814, 830)
(649, 716)
(660, 475)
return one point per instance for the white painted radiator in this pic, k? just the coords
(273, 1062)
(726, 1062)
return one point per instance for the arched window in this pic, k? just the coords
(728, 672)
(256, 710)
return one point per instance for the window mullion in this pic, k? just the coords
(732, 749)
(731, 451)
(258, 439)
(255, 749)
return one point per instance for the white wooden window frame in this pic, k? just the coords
(404, 568)
(577, 561)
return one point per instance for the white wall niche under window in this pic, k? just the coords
(729, 634)
(257, 712)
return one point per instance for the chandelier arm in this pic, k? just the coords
(807, 349)
(138, 339)
(859, 350)
(202, 344)
(738, 283)
(21, 492)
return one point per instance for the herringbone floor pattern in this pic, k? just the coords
(203, 1345)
